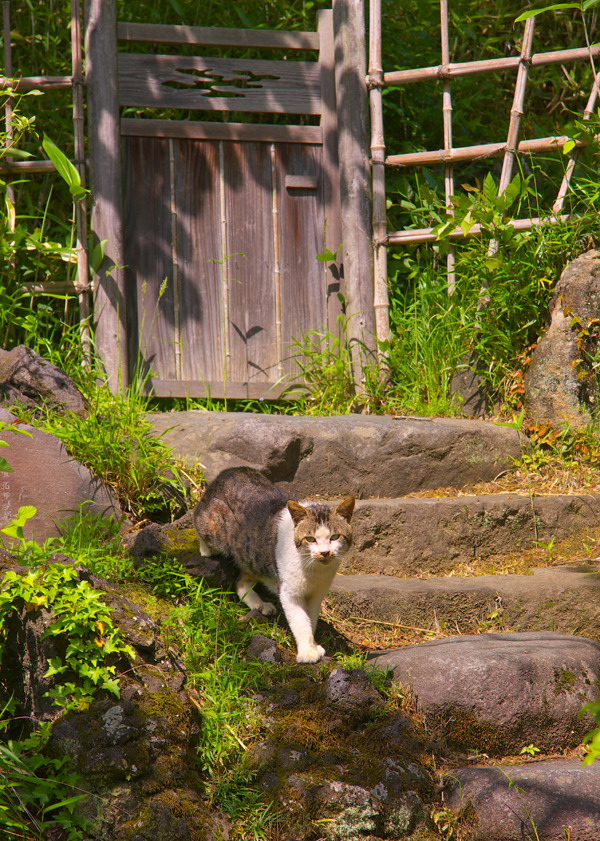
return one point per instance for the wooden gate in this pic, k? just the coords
(221, 222)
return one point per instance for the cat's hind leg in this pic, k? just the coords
(243, 587)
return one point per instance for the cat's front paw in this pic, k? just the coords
(267, 609)
(311, 654)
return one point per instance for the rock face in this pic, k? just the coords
(135, 754)
(28, 379)
(366, 456)
(560, 387)
(45, 476)
(500, 692)
(548, 800)
(365, 776)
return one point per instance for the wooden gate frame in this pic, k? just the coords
(106, 180)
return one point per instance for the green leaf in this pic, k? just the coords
(67, 171)
(329, 256)
(5, 466)
(568, 146)
(489, 186)
(444, 230)
(557, 6)
(493, 263)
(15, 153)
(467, 223)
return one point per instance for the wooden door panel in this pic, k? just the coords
(199, 252)
(148, 255)
(303, 285)
(249, 210)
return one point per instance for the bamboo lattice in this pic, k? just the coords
(449, 155)
(81, 285)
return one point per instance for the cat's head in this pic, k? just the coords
(322, 533)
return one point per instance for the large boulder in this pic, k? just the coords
(45, 476)
(560, 384)
(28, 379)
(497, 693)
(367, 456)
(549, 801)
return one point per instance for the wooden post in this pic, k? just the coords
(83, 282)
(105, 177)
(352, 109)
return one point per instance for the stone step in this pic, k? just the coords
(409, 537)
(563, 598)
(363, 455)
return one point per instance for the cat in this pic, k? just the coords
(294, 549)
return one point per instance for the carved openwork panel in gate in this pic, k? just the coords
(223, 221)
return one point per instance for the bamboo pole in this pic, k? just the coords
(29, 83)
(574, 154)
(516, 112)
(447, 119)
(380, 295)
(471, 153)
(8, 109)
(414, 236)
(471, 68)
(83, 278)
(517, 107)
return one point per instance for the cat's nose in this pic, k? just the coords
(325, 553)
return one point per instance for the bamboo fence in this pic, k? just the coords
(75, 82)
(445, 72)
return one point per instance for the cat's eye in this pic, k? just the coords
(310, 539)
(335, 536)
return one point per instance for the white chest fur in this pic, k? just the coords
(303, 583)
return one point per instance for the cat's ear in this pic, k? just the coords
(345, 508)
(297, 511)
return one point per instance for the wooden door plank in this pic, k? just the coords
(198, 251)
(148, 258)
(197, 130)
(331, 170)
(217, 36)
(248, 201)
(303, 279)
(165, 81)
(217, 389)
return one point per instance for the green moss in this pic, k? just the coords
(564, 681)
(464, 731)
(178, 540)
